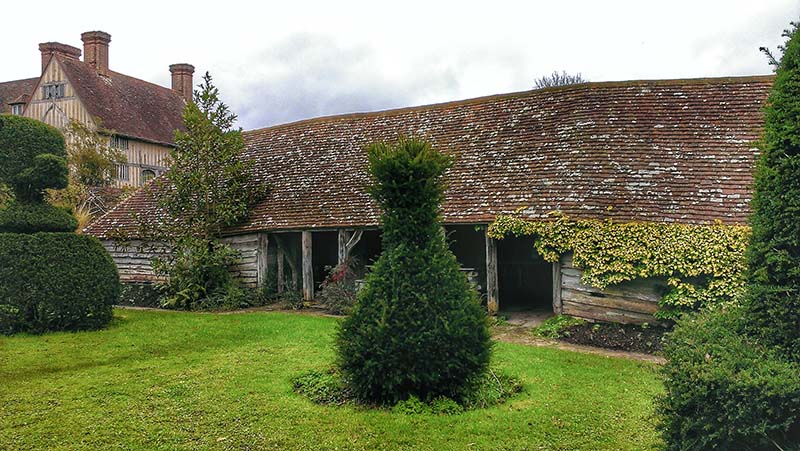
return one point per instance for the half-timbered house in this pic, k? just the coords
(140, 118)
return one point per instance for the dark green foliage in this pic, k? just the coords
(417, 327)
(55, 281)
(32, 157)
(773, 299)
(196, 269)
(725, 391)
(209, 187)
(36, 217)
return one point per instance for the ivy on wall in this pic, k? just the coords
(703, 264)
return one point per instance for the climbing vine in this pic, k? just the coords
(702, 265)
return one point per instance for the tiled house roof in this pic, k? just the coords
(669, 150)
(128, 106)
(17, 90)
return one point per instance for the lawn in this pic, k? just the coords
(186, 381)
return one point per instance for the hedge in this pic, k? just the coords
(55, 281)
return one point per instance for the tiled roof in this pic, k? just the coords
(127, 105)
(669, 150)
(11, 91)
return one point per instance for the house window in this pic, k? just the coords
(123, 172)
(147, 175)
(16, 109)
(53, 91)
(118, 142)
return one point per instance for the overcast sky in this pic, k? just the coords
(277, 62)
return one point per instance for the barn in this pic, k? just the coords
(673, 151)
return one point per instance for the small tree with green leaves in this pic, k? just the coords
(208, 187)
(417, 327)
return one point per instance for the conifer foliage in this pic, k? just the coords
(417, 327)
(773, 300)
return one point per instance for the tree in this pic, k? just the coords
(417, 327)
(773, 298)
(558, 79)
(208, 187)
(90, 156)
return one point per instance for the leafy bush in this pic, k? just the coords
(417, 327)
(55, 281)
(725, 391)
(36, 217)
(338, 293)
(195, 270)
(552, 327)
(773, 297)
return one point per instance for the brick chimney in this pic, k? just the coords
(182, 79)
(95, 49)
(48, 49)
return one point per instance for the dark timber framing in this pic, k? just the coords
(492, 294)
(308, 268)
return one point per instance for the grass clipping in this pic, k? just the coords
(329, 388)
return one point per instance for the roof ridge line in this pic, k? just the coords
(516, 94)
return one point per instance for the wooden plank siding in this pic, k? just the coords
(632, 302)
(134, 260)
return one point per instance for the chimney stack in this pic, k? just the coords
(182, 79)
(48, 49)
(95, 49)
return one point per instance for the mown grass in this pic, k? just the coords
(187, 381)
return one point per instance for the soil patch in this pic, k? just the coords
(625, 337)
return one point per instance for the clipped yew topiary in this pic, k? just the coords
(417, 328)
(50, 277)
(773, 298)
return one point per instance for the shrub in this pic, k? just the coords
(36, 217)
(725, 391)
(32, 157)
(773, 299)
(417, 328)
(195, 270)
(338, 293)
(55, 281)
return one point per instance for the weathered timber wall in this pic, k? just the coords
(133, 260)
(632, 302)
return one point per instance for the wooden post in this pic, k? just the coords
(344, 236)
(308, 269)
(492, 292)
(280, 257)
(558, 307)
(262, 259)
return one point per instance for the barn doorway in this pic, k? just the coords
(525, 279)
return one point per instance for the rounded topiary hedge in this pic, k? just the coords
(36, 217)
(55, 281)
